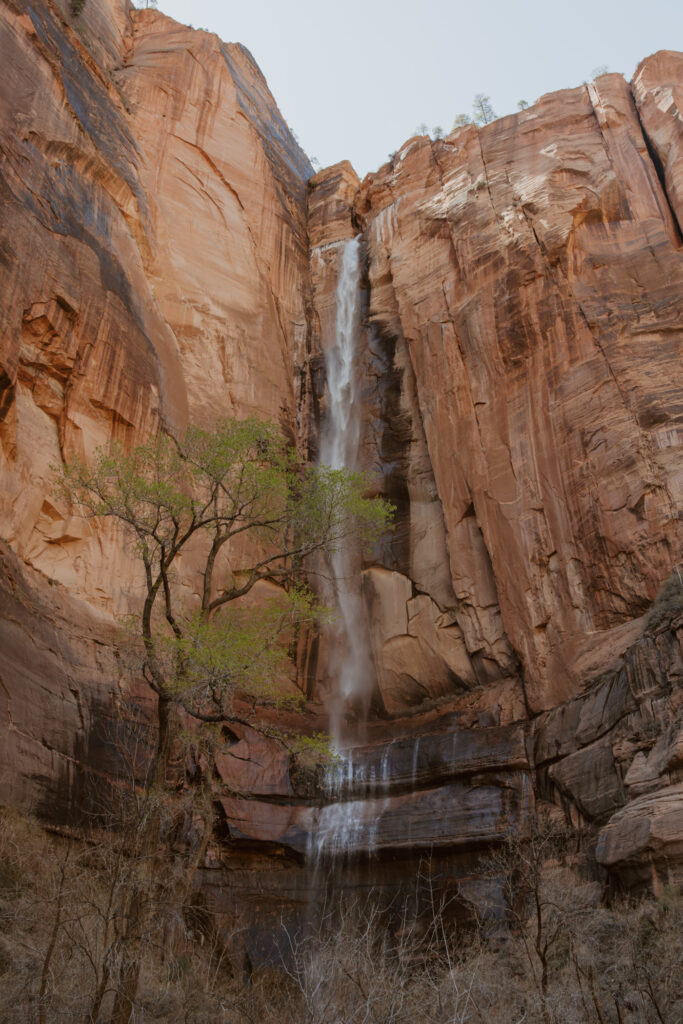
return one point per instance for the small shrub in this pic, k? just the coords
(482, 110)
(668, 602)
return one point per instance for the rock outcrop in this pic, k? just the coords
(167, 255)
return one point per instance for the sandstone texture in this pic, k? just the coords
(154, 249)
(167, 255)
(534, 269)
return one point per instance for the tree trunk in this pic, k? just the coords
(47, 959)
(148, 853)
(166, 719)
(129, 976)
(94, 1013)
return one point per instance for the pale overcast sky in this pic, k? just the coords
(354, 79)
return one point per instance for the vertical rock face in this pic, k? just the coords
(166, 255)
(154, 255)
(154, 265)
(534, 269)
(417, 624)
(227, 188)
(658, 93)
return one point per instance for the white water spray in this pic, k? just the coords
(350, 663)
(341, 438)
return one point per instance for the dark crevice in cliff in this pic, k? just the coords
(391, 442)
(391, 432)
(7, 386)
(410, 430)
(309, 386)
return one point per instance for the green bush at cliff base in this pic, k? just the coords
(214, 489)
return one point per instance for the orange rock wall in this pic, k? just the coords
(153, 262)
(154, 258)
(534, 269)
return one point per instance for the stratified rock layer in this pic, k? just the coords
(166, 255)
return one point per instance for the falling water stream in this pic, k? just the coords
(341, 825)
(350, 661)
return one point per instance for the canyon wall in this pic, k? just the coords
(154, 268)
(167, 256)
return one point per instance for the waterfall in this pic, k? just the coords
(350, 663)
(341, 436)
(348, 820)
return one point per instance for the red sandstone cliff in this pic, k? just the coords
(534, 269)
(163, 258)
(154, 265)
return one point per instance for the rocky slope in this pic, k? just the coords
(166, 256)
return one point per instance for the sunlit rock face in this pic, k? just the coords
(154, 267)
(166, 255)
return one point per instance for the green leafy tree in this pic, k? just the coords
(212, 490)
(215, 488)
(482, 109)
(437, 132)
(522, 104)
